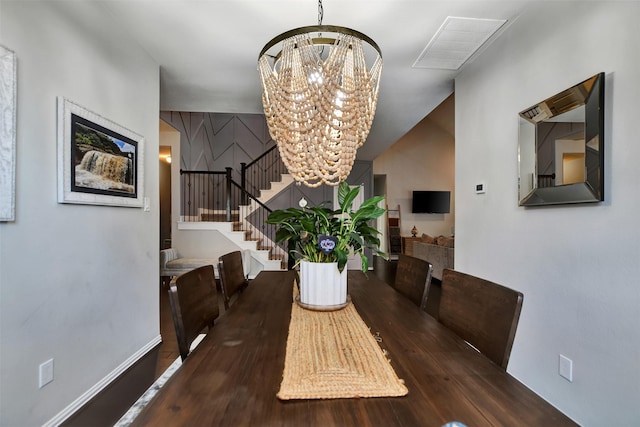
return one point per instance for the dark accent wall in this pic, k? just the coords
(214, 141)
(361, 174)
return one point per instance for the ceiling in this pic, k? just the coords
(208, 50)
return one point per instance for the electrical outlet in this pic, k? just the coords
(45, 373)
(565, 368)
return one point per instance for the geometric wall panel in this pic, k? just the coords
(215, 141)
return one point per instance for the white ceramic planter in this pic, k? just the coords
(322, 284)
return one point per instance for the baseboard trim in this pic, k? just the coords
(86, 397)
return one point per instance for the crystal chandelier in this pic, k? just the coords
(319, 98)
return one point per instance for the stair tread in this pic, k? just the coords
(272, 258)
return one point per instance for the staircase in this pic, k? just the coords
(212, 200)
(264, 253)
(261, 256)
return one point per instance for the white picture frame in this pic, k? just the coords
(99, 161)
(8, 107)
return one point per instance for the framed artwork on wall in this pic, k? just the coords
(99, 161)
(8, 102)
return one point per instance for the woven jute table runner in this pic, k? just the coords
(332, 354)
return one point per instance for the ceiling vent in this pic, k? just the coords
(456, 41)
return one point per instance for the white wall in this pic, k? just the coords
(200, 243)
(578, 266)
(423, 159)
(78, 283)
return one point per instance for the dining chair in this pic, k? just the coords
(483, 313)
(194, 305)
(413, 279)
(232, 278)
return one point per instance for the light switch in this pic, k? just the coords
(45, 373)
(565, 368)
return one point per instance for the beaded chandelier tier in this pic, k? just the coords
(319, 99)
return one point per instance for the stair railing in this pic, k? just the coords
(203, 196)
(261, 172)
(215, 196)
(252, 220)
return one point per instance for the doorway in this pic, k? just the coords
(380, 189)
(168, 171)
(164, 171)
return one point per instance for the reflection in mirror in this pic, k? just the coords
(560, 153)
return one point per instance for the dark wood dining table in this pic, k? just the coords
(232, 377)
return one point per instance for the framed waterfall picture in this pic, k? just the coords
(99, 161)
(8, 104)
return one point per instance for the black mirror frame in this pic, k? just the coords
(589, 93)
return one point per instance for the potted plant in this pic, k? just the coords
(319, 235)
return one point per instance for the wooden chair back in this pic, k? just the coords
(413, 278)
(483, 313)
(232, 279)
(194, 305)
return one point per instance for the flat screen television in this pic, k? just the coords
(431, 202)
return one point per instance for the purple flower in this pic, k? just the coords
(327, 243)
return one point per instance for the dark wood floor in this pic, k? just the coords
(383, 269)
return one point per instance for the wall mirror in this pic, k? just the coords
(561, 147)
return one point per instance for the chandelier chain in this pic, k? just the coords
(320, 12)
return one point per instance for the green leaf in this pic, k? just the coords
(343, 190)
(356, 238)
(365, 263)
(345, 206)
(282, 235)
(342, 258)
(372, 201)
